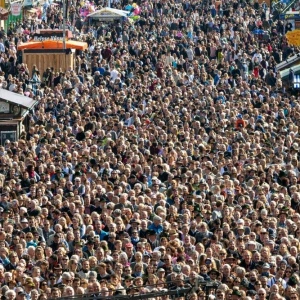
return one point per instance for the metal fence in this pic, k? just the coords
(165, 293)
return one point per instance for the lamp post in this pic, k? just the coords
(64, 24)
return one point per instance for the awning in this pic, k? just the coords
(53, 45)
(285, 73)
(108, 13)
(18, 99)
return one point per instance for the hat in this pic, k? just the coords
(151, 232)
(236, 293)
(129, 245)
(263, 230)
(238, 207)
(214, 271)
(266, 266)
(24, 220)
(128, 277)
(240, 227)
(29, 281)
(295, 146)
(198, 215)
(173, 232)
(230, 256)
(147, 254)
(161, 270)
(283, 211)
(284, 262)
(251, 293)
(135, 221)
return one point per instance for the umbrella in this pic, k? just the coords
(258, 31)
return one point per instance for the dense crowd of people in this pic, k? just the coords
(167, 160)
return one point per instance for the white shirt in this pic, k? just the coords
(114, 74)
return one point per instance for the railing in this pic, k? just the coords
(284, 6)
(207, 287)
(289, 5)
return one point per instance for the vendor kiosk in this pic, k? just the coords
(14, 118)
(46, 50)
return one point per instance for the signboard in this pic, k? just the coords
(45, 38)
(289, 17)
(16, 8)
(50, 35)
(8, 135)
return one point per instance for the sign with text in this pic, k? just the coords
(290, 16)
(16, 8)
(50, 35)
(44, 38)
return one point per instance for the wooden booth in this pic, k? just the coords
(46, 50)
(14, 119)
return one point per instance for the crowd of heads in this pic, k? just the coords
(167, 160)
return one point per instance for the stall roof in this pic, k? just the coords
(18, 99)
(288, 62)
(53, 45)
(285, 73)
(109, 13)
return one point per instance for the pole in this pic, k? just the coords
(64, 24)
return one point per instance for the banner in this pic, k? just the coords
(16, 8)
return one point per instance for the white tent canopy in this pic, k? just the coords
(108, 13)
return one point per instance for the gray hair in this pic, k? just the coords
(66, 275)
(10, 292)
